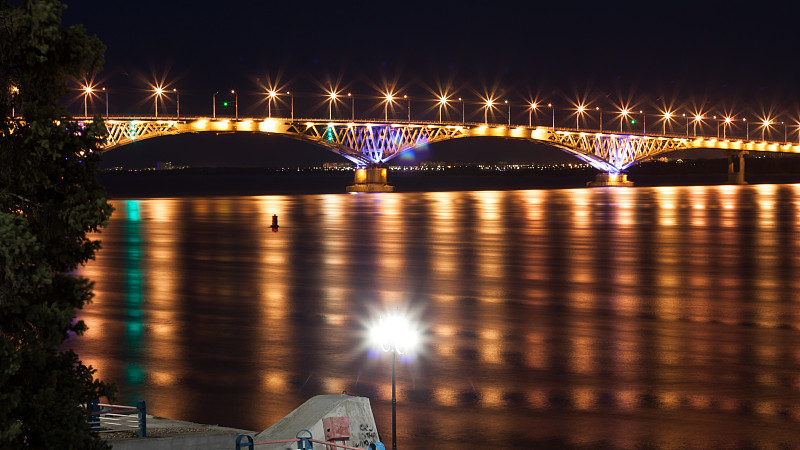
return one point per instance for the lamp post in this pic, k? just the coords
(530, 114)
(214, 105)
(764, 126)
(581, 109)
(746, 129)
(331, 98)
(106, 91)
(509, 113)
(388, 99)
(623, 115)
(553, 110)
(644, 122)
(236, 102)
(697, 119)
(271, 96)
(667, 116)
(178, 103)
(86, 92)
(725, 125)
(14, 92)
(489, 104)
(442, 102)
(291, 104)
(687, 124)
(159, 91)
(409, 108)
(463, 116)
(352, 106)
(394, 334)
(597, 108)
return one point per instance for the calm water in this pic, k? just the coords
(664, 317)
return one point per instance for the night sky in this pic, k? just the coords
(718, 57)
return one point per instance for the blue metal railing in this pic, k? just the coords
(105, 418)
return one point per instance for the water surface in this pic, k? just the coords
(608, 317)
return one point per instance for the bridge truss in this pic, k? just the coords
(370, 144)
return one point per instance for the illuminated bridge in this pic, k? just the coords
(370, 145)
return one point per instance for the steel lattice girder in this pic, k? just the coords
(613, 153)
(123, 132)
(374, 144)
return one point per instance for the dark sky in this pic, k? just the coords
(719, 56)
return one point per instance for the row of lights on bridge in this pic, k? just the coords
(487, 104)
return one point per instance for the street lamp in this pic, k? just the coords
(236, 102)
(644, 122)
(159, 91)
(442, 102)
(409, 108)
(14, 92)
(214, 105)
(87, 91)
(352, 106)
(727, 124)
(462, 112)
(177, 102)
(553, 110)
(697, 119)
(509, 113)
(388, 99)
(581, 109)
(623, 115)
(597, 108)
(271, 94)
(667, 117)
(489, 104)
(331, 98)
(394, 334)
(764, 126)
(530, 114)
(746, 129)
(291, 104)
(104, 90)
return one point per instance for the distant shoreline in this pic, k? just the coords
(227, 182)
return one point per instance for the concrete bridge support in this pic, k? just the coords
(736, 171)
(610, 179)
(370, 179)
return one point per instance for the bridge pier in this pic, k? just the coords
(610, 179)
(370, 179)
(736, 176)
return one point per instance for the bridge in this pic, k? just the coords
(369, 145)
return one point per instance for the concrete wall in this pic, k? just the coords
(309, 416)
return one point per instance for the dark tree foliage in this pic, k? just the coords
(49, 201)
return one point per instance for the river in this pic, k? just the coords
(608, 317)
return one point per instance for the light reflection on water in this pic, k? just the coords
(616, 317)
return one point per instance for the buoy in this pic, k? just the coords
(274, 222)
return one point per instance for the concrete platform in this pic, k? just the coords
(169, 434)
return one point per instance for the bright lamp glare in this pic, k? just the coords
(394, 332)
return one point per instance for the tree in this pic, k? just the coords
(50, 200)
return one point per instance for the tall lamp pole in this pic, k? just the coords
(14, 92)
(178, 103)
(86, 92)
(214, 105)
(236, 102)
(394, 334)
(352, 106)
(106, 91)
(291, 101)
